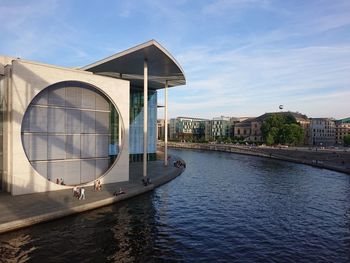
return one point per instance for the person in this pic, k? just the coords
(76, 192)
(95, 185)
(119, 193)
(57, 181)
(82, 194)
(149, 181)
(144, 182)
(99, 186)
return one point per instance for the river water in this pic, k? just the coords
(223, 208)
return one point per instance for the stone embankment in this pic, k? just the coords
(332, 159)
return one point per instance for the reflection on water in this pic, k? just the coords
(224, 208)
(16, 249)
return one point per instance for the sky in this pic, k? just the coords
(240, 57)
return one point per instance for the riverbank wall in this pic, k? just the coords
(331, 159)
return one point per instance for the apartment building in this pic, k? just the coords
(342, 128)
(322, 132)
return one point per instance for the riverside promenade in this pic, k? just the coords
(331, 159)
(26, 210)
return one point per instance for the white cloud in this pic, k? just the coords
(262, 78)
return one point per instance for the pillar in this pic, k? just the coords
(145, 116)
(166, 124)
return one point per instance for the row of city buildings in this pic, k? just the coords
(317, 131)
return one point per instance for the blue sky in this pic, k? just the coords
(240, 57)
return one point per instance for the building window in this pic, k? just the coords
(70, 130)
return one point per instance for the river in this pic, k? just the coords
(223, 208)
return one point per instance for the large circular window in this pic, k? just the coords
(71, 132)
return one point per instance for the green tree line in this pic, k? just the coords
(282, 129)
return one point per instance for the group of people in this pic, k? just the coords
(97, 185)
(79, 192)
(60, 181)
(179, 164)
(146, 181)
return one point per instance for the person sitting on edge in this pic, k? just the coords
(99, 186)
(95, 185)
(149, 181)
(61, 182)
(119, 193)
(144, 182)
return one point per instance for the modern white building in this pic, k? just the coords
(78, 125)
(188, 129)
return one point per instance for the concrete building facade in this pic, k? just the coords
(161, 129)
(322, 132)
(243, 129)
(220, 127)
(64, 127)
(342, 128)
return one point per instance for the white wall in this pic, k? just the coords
(28, 79)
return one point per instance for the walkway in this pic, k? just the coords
(25, 210)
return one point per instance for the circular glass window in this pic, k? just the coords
(71, 133)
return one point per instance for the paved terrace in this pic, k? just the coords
(26, 210)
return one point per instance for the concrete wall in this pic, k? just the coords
(28, 79)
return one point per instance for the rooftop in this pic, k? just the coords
(129, 65)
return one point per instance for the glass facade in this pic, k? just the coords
(136, 125)
(70, 132)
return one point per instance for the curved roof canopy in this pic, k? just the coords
(129, 65)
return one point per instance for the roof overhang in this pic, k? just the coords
(129, 64)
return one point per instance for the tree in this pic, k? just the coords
(284, 129)
(347, 140)
(270, 139)
(272, 121)
(291, 134)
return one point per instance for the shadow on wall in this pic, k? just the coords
(43, 144)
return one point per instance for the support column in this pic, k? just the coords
(145, 116)
(166, 124)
